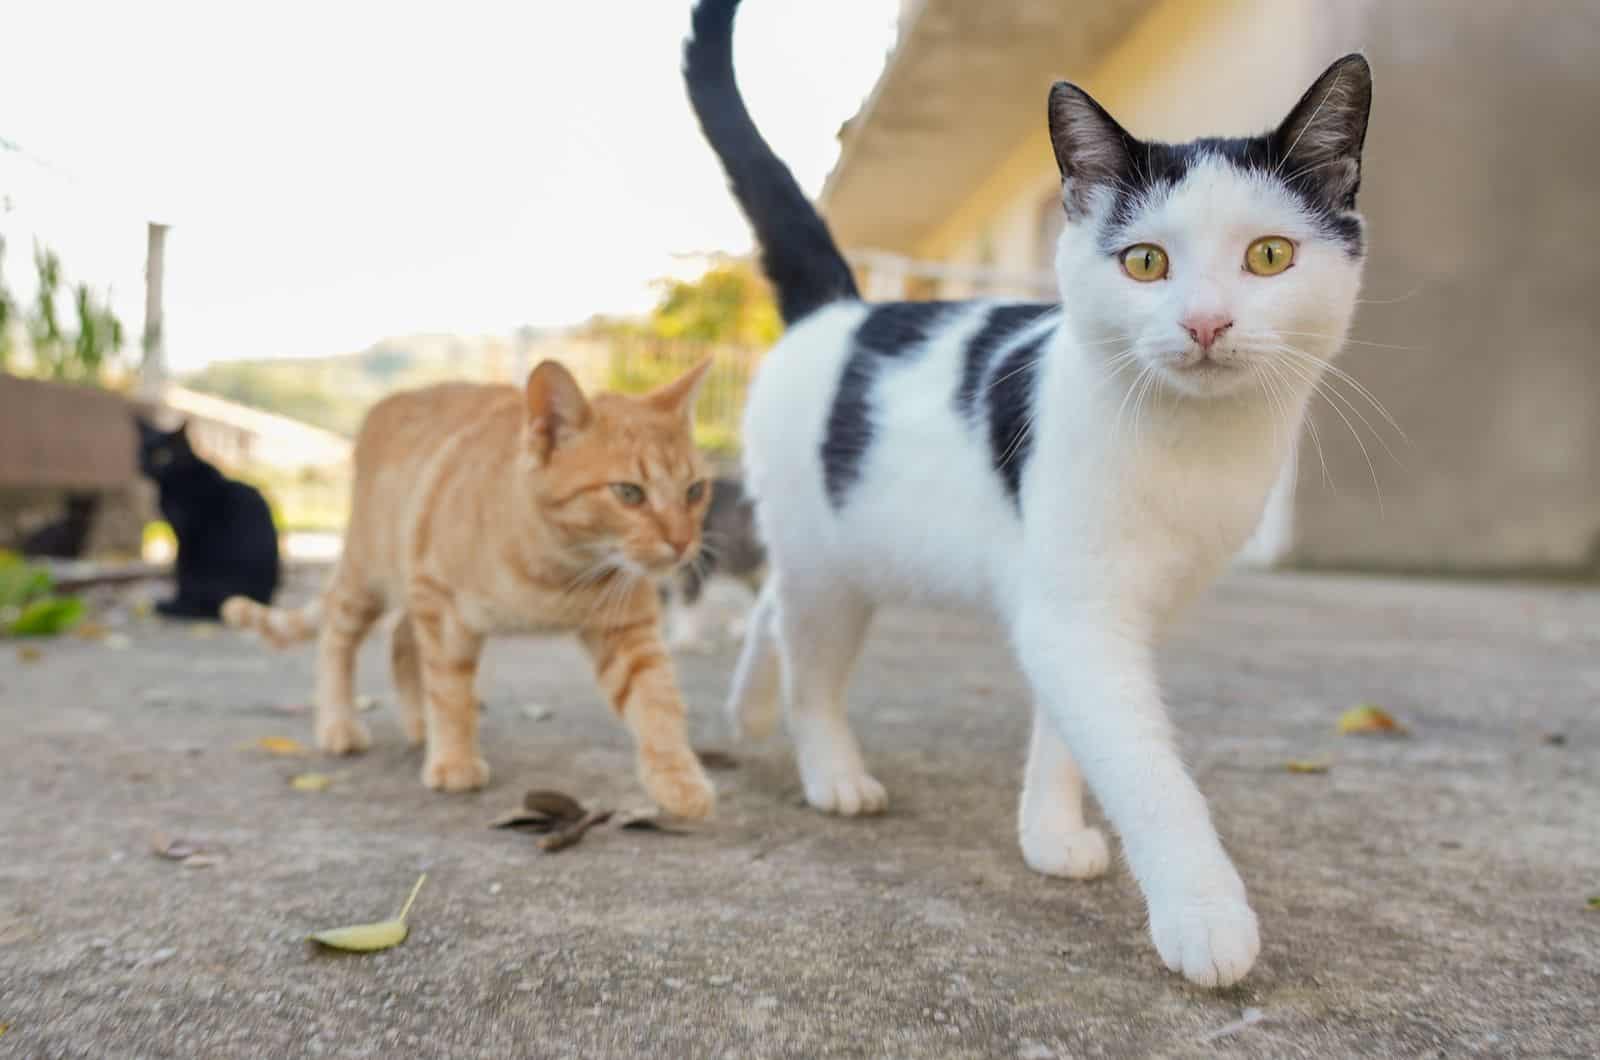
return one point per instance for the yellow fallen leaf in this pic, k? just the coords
(364, 938)
(28, 653)
(311, 782)
(1369, 718)
(90, 631)
(3, 1028)
(1298, 765)
(280, 745)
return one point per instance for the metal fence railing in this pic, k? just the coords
(637, 364)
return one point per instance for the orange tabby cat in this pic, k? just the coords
(485, 509)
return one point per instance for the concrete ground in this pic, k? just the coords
(1426, 896)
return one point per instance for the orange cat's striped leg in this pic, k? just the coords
(636, 676)
(349, 613)
(406, 668)
(448, 652)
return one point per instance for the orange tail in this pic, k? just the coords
(278, 626)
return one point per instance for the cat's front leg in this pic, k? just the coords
(448, 651)
(636, 675)
(1097, 685)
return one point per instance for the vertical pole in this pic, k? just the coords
(153, 365)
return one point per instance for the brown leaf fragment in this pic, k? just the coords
(717, 760)
(554, 804)
(574, 832)
(523, 821)
(28, 654)
(1556, 739)
(175, 848)
(650, 821)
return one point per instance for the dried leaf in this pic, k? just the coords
(311, 782)
(1556, 739)
(280, 745)
(3, 1028)
(574, 832)
(650, 821)
(537, 712)
(90, 631)
(118, 641)
(175, 848)
(1298, 765)
(1367, 718)
(717, 761)
(28, 653)
(200, 861)
(364, 938)
(554, 804)
(366, 703)
(526, 822)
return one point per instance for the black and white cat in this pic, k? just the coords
(227, 545)
(1080, 471)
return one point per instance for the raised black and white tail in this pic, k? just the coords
(797, 250)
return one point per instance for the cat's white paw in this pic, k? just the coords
(1211, 939)
(343, 736)
(849, 792)
(1075, 853)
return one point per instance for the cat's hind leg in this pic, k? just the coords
(448, 654)
(405, 667)
(349, 611)
(753, 698)
(820, 629)
(1055, 840)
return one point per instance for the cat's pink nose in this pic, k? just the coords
(1205, 327)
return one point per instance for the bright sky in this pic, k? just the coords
(340, 171)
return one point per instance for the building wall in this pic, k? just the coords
(1478, 332)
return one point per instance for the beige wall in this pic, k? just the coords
(1480, 190)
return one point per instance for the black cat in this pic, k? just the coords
(65, 538)
(227, 545)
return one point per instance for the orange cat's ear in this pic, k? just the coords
(557, 409)
(679, 395)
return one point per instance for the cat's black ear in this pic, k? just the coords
(1091, 149)
(557, 409)
(1319, 143)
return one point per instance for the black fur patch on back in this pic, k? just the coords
(1010, 404)
(890, 330)
(1003, 322)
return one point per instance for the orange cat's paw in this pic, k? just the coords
(681, 790)
(343, 736)
(455, 773)
(416, 729)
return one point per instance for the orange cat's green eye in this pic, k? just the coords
(1269, 255)
(697, 490)
(628, 493)
(1145, 262)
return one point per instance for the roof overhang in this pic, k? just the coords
(965, 85)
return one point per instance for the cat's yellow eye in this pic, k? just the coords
(628, 493)
(1145, 262)
(697, 490)
(1269, 255)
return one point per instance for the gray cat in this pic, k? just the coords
(730, 545)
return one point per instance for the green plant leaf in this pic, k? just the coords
(47, 617)
(21, 583)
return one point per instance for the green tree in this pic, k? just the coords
(83, 355)
(8, 313)
(729, 303)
